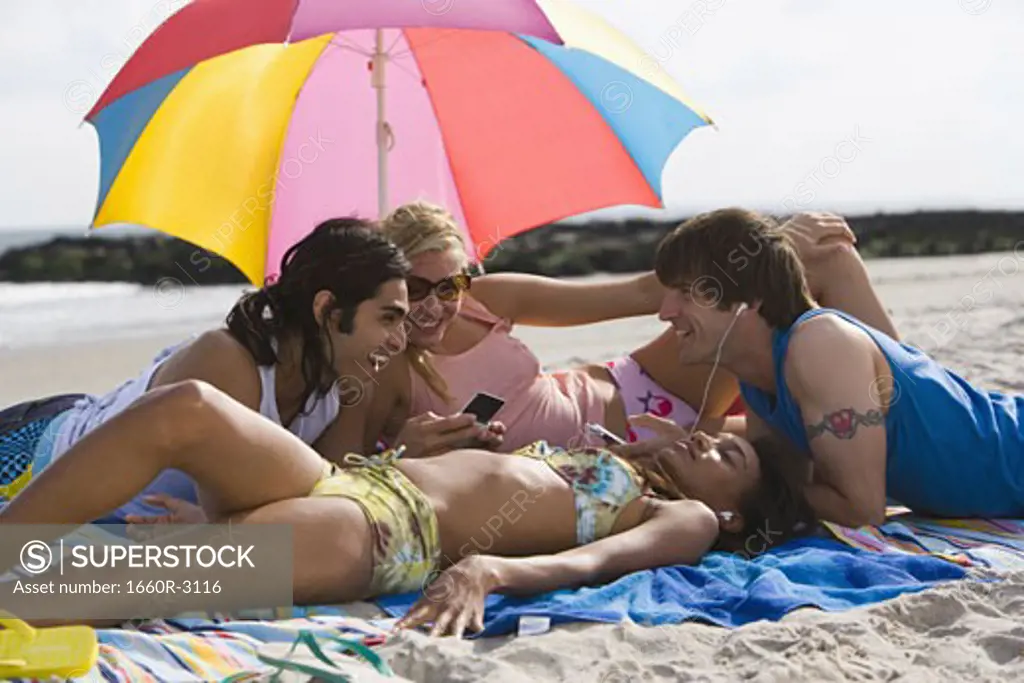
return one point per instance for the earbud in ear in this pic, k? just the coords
(742, 307)
(726, 516)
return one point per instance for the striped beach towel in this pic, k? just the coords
(201, 650)
(990, 544)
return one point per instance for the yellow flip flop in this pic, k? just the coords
(64, 651)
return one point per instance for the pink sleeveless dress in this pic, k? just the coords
(550, 406)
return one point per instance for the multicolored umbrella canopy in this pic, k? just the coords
(238, 125)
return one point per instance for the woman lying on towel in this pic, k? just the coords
(388, 524)
(460, 341)
(343, 284)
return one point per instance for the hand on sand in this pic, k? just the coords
(430, 434)
(454, 601)
(178, 512)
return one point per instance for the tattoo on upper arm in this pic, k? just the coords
(843, 423)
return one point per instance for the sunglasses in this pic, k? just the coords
(448, 289)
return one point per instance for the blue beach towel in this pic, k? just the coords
(726, 589)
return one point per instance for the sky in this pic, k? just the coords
(844, 105)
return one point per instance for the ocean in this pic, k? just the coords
(43, 314)
(46, 314)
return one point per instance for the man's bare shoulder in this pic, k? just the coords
(826, 332)
(213, 351)
(821, 343)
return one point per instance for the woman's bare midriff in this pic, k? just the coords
(615, 418)
(495, 504)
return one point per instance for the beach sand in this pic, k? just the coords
(962, 631)
(966, 311)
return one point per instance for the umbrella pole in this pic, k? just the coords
(379, 62)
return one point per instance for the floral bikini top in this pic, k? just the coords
(603, 484)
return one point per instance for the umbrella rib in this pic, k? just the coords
(291, 24)
(393, 57)
(392, 60)
(398, 37)
(340, 43)
(441, 34)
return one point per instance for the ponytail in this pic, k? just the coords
(253, 324)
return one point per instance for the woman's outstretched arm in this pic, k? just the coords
(847, 287)
(678, 532)
(836, 275)
(547, 302)
(239, 459)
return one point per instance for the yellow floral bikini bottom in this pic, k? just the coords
(406, 542)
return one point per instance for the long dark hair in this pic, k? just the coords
(776, 510)
(348, 257)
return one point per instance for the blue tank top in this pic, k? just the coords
(952, 450)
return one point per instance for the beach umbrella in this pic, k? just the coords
(238, 125)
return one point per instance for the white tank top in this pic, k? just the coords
(92, 411)
(318, 413)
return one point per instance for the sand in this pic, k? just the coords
(958, 631)
(966, 311)
(95, 367)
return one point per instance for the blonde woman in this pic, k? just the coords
(460, 342)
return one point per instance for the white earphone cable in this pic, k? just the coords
(718, 357)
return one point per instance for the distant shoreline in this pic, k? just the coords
(142, 256)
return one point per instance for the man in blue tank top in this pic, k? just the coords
(880, 419)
